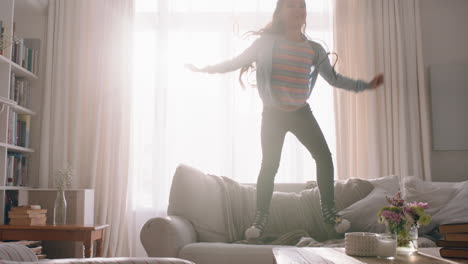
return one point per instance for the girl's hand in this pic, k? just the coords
(377, 81)
(193, 68)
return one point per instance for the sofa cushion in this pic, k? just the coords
(197, 197)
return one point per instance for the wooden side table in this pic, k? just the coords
(84, 233)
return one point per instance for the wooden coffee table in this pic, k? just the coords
(337, 255)
(84, 233)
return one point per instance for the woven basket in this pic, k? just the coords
(361, 244)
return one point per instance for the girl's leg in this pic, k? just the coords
(272, 138)
(308, 132)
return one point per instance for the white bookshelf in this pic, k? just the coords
(28, 20)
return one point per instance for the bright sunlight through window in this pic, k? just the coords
(207, 120)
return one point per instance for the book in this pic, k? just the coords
(29, 215)
(17, 170)
(12, 85)
(454, 252)
(26, 127)
(2, 30)
(30, 243)
(20, 218)
(452, 244)
(14, 210)
(36, 250)
(454, 228)
(28, 221)
(10, 170)
(32, 53)
(27, 211)
(27, 207)
(456, 236)
(9, 203)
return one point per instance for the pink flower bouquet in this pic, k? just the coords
(400, 216)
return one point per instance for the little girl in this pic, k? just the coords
(287, 65)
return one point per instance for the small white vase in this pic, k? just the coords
(60, 208)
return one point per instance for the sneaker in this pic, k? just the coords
(256, 230)
(331, 216)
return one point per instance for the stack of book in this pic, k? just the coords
(27, 215)
(455, 242)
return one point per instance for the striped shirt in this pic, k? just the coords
(290, 75)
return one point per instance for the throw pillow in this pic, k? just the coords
(415, 186)
(435, 198)
(350, 191)
(456, 208)
(363, 214)
(391, 183)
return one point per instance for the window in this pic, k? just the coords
(209, 121)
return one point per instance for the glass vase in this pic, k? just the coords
(60, 208)
(408, 240)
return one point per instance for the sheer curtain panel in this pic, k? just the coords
(386, 131)
(87, 104)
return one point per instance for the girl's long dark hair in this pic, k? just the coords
(274, 27)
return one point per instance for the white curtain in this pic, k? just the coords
(385, 131)
(207, 121)
(87, 105)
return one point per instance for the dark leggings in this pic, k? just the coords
(302, 123)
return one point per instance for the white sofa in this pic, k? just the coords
(196, 227)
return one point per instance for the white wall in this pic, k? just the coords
(445, 40)
(31, 22)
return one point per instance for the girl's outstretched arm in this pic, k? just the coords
(244, 59)
(194, 68)
(377, 81)
(337, 80)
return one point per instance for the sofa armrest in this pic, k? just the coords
(165, 236)
(16, 252)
